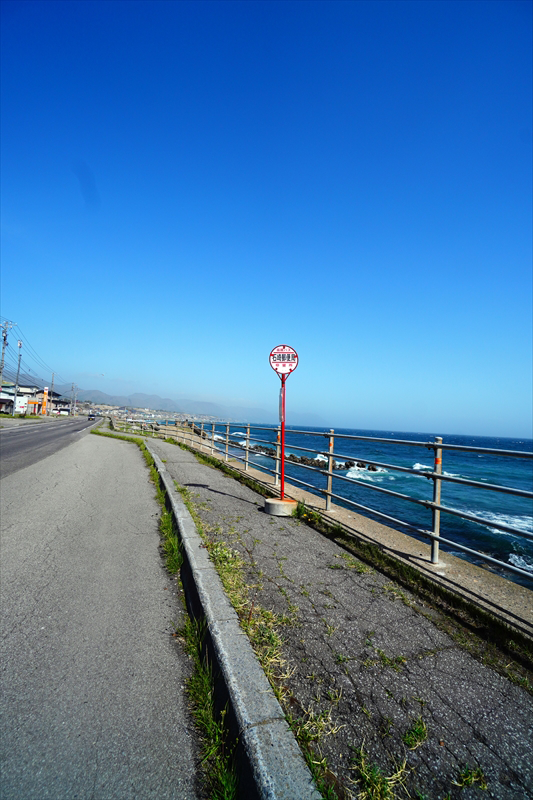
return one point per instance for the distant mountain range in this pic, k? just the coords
(156, 403)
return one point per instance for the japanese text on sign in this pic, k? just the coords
(283, 359)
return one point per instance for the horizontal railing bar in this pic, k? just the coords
(252, 439)
(292, 479)
(410, 442)
(450, 478)
(483, 556)
(239, 425)
(487, 450)
(429, 475)
(260, 467)
(435, 506)
(442, 539)
(480, 521)
(263, 441)
(378, 513)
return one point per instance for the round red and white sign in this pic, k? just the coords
(283, 359)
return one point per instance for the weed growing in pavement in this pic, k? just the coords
(305, 514)
(261, 625)
(171, 544)
(314, 726)
(308, 731)
(217, 750)
(334, 696)
(416, 734)
(371, 780)
(351, 563)
(341, 659)
(468, 777)
(385, 727)
(395, 662)
(395, 592)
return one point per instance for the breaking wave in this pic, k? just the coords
(363, 474)
(522, 523)
(522, 562)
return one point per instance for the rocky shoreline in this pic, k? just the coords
(310, 462)
(306, 461)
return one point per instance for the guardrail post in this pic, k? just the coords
(212, 438)
(437, 483)
(247, 448)
(202, 436)
(330, 469)
(227, 441)
(278, 448)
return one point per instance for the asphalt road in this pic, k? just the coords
(92, 681)
(30, 442)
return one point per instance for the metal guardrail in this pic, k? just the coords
(254, 445)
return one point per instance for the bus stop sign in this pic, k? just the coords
(283, 359)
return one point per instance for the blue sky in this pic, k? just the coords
(186, 185)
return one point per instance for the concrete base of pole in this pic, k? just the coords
(278, 507)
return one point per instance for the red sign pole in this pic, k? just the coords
(283, 379)
(283, 359)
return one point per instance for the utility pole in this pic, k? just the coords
(17, 380)
(76, 401)
(51, 395)
(5, 327)
(72, 400)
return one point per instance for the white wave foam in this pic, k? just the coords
(219, 438)
(320, 457)
(521, 562)
(238, 433)
(522, 523)
(422, 467)
(362, 474)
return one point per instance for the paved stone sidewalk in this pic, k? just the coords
(365, 663)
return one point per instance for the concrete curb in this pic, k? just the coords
(268, 758)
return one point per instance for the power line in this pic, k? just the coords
(31, 354)
(37, 358)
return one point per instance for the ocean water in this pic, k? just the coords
(492, 506)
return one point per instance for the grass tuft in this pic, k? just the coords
(416, 734)
(468, 776)
(217, 750)
(373, 783)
